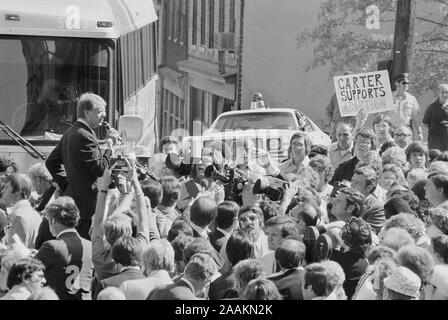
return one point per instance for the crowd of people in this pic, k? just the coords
(363, 219)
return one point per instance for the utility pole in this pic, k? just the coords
(403, 38)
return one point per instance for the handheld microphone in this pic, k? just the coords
(204, 184)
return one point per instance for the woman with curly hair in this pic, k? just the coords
(25, 277)
(357, 237)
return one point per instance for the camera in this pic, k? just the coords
(273, 193)
(318, 244)
(233, 181)
(180, 163)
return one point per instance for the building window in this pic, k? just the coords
(172, 33)
(211, 24)
(232, 16)
(180, 19)
(173, 113)
(203, 13)
(222, 7)
(195, 23)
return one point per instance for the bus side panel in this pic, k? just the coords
(143, 103)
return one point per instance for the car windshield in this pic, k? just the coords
(259, 120)
(41, 79)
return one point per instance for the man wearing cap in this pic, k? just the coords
(407, 110)
(436, 120)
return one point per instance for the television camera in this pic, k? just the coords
(233, 181)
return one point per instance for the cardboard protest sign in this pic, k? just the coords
(369, 91)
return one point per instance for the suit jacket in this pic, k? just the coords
(79, 152)
(345, 171)
(179, 290)
(374, 212)
(69, 267)
(25, 222)
(223, 287)
(289, 283)
(140, 288)
(117, 280)
(217, 239)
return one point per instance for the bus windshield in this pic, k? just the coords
(42, 78)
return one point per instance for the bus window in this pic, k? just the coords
(41, 80)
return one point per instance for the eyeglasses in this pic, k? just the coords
(251, 218)
(363, 141)
(402, 135)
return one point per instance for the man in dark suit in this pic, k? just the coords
(197, 276)
(290, 255)
(225, 222)
(127, 252)
(68, 259)
(202, 212)
(79, 152)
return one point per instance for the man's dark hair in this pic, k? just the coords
(167, 140)
(227, 212)
(440, 246)
(354, 198)
(371, 175)
(357, 235)
(199, 245)
(179, 245)
(203, 211)
(269, 208)
(127, 251)
(396, 205)
(64, 211)
(23, 270)
(153, 190)
(287, 225)
(416, 146)
(178, 227)
(386, 145)
(290, 254)
(239, 247)
(318, 149)
(171, 190)
(441, 181)
(319, 278)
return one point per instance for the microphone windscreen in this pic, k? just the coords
(204, 183)
(209, 171)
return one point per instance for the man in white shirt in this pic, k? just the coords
(407, 111)
(23, 220)
(299, 149)
(341, 150)
(158, 262)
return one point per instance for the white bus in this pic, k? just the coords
(51, 51)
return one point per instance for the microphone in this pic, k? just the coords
(204, 184)
(106, 125)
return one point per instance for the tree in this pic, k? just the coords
(344, 43)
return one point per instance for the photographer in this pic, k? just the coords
(118, 224)
(250, 170)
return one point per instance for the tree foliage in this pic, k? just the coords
(343, 43)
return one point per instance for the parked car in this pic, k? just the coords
(270, 129)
